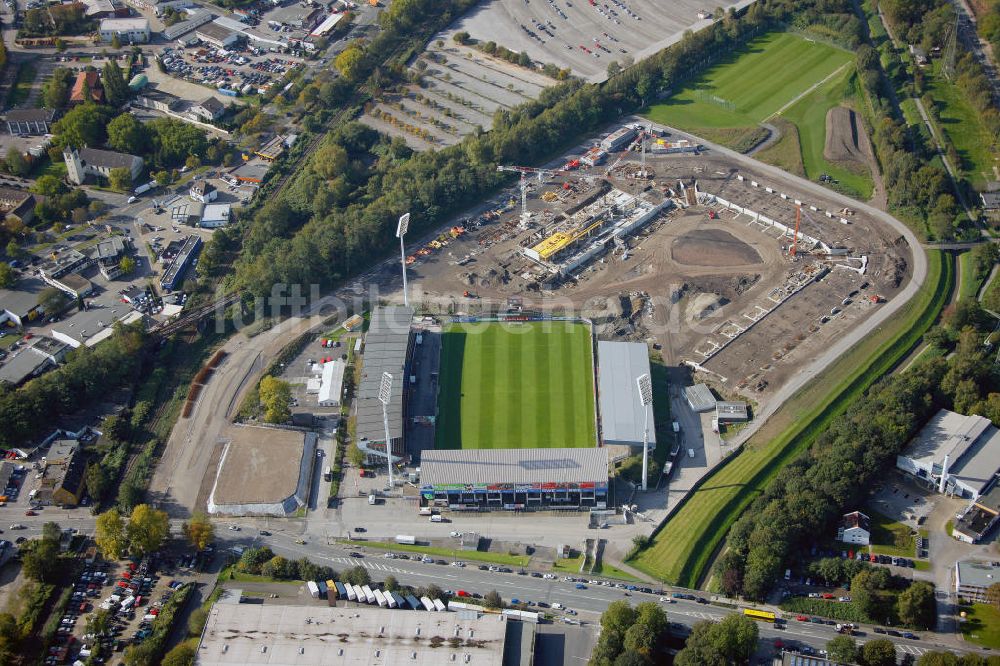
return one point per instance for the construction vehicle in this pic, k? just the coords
(373, 3)
(713, 215)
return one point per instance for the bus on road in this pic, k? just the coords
(764, 616)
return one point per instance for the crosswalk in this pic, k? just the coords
(367, 564)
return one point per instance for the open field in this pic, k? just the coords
(982, 625)
(684, 546)
(969, 283)
(809, 115)
(960, 123)
(516, 386)
(890, 537)
(752, 85)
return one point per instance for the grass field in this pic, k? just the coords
(963, 129)
(809, 117)
(981, 625)
(683, 548)
(889, 537)
(516, 386)
(970, 283)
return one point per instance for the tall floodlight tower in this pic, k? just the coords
(384, 393)
(645, 399)
(401, 228)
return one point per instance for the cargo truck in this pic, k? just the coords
(406, 539)
(380, 598)
(428, 604)
(313, 589)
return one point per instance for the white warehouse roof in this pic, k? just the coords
(313, 635)
(622, 415)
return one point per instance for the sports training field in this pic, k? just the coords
(525, 385)
(759, 81)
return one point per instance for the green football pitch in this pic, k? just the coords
(752, 86)
(528, 385)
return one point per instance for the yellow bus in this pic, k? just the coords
(766, 616)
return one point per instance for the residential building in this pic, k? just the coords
(216, 215)
(87, 80)
(98, 163)
(216, 35)
(17, 204)
(974, 577)
(128, 30)
(855, 527)
(203, 191)
(980, 517)
(63, 474)
(33, 122)
(208, 109)
(955, 454)
(991, 205)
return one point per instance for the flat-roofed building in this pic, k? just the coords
(109, 254)
(208, 109)
(129, 30)
(699, 397)
(33, 122)
(322, 635)
(19, 304)
(731, 412)
(515, 479)
(331, 383)
(956, 454)
(387, 349)
(980, 517)
(974, 577)
(624, 420)
(216, 35)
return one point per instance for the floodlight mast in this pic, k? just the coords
(645, 399)
(384, 394)
(401, 229)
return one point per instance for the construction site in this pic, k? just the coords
(740, 278)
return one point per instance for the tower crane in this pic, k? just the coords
(541, 175)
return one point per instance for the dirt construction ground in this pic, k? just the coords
(716, 288)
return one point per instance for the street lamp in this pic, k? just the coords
(401, 229)
(384, 394)
(645, 399)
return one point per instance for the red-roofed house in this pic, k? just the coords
(91, 80)
(855, 527)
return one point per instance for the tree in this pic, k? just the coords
(97, 481)
(116, 42)
(355, 456)
(15, 162)
(40, 560)
(147, 529)
(6, 275)
(275, 396)
(115, 88)
(127, 134)
(618, 617)
(196, 621)
(390, 583)
(55, 91)
(126, 265)
(731, 640)
(253, 559)
(614, 68)
(98, 621)
(199, 531)
(174, 141)
(916, 605)
(51, 532)
(116, 428)
(51, 300)
(492, 599)
(357, 575)
(83, 125)
(461, 37)
(879, 652)
(842, 649)
(348, 62)
(120, 179)
(183, 654)
(109, 534)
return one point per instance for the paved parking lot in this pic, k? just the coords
(245, 70)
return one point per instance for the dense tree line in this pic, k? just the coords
(87, 376)
(630, 636)
(810, 494)
(732, 640)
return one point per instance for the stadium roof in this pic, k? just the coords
(385, 351)
(699, 397)
(279, 635)
(438, 467)
(622, 414)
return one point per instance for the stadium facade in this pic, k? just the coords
(515, 479)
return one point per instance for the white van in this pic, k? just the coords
(690, 453)
(426, 511)
(436, 519)
(371, 499)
